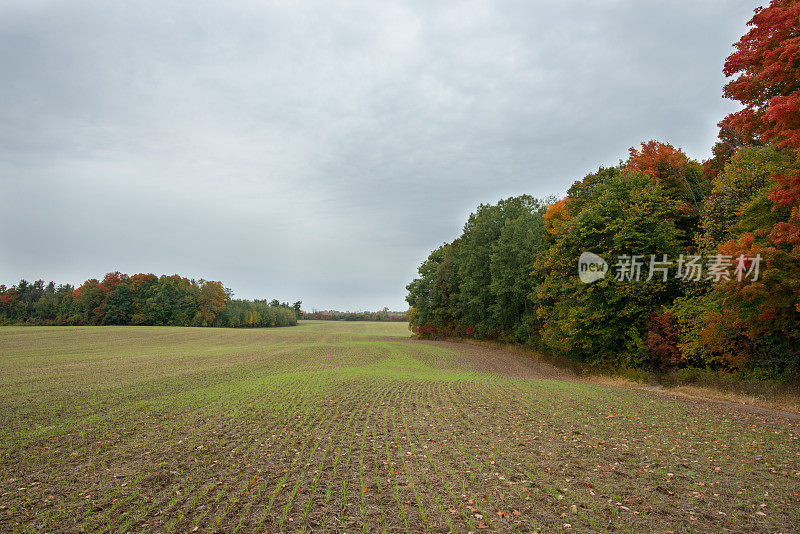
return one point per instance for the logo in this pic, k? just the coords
(591, 268)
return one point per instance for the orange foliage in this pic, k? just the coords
(657, 160)
(555, 212)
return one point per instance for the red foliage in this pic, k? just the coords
(90, 282)
(730, 141)
(732, 348)
(769, 305)
(662, 341)
(427, 331)
(8, 298)
(767, 59)
(111, 281)
(787, 194)
(657, 160)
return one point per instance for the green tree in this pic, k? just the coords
(610, 213)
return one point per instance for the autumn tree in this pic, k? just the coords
(681, 177)
(139, 299)
(612, 212)
(766, 70)
(739, 199)
(766, 64)
(213, 299)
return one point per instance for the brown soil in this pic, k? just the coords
(522, 364)
(499, 361)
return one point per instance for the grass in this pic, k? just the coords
(338, 427)
(689, 382)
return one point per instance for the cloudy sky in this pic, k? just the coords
(317, 151)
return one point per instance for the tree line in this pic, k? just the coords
(139, 299)
(332, 315)
(734, 219)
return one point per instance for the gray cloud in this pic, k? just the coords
(318, 151)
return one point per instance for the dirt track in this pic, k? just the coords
(503, 362)
(516, 364)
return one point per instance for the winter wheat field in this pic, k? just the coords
(354, 427)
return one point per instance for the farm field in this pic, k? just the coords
(352, 427)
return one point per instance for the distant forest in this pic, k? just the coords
(333, 315)
(139, 299)
(722, 237)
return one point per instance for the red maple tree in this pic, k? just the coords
(767, 61)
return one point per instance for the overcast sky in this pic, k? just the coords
(318, 151)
